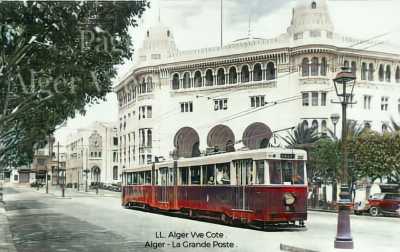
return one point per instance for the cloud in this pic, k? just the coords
(235, 11)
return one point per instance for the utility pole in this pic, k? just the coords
(221, 23)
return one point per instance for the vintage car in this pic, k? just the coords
(380, 204)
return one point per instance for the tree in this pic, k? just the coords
(55, 58)
(325, 157)
(376, 156)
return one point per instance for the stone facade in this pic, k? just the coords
(176, 104)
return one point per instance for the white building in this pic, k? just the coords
(177, 103)
(93, 151)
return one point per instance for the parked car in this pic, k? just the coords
(380, 204)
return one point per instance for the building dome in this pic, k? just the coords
(159, 43)
(311, 18)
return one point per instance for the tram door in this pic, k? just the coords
(162, 195)
(244, 171)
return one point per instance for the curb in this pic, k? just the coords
(284, 247)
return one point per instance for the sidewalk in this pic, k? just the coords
(6, 241)
(72, 192)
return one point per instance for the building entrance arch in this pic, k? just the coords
(186, 142)
(257, 136)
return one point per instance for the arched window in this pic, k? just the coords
(143, 86)
(245, 73)
(381, 73)
(314, 125)
(324, 127)
(353, 67)
(197, 79)
(323, 66)
(257, 72)
(305, 66)
(186, 80)
(304, 124)
(232, 75)
(221, 76)
(313, 5)
(175, 81)
(371, 72)
(270, 71)
(384, 128)
(388, 73)
(314, 66)
(209, 77)
(149, 84)
(397, 74)
(149, 138)
(346, 64)
(364, 71)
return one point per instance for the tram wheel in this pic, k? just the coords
(191, 213)
(226, 219)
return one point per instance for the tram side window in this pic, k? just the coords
(195, 175)
(223, 174)
(141, 178)
(163, 176)
(208, 175)
(129, 178)
(260, 172)
(147, 177)
(184, 175)
(298, 172)
(135, 179)
(275, 172)
(172, 176)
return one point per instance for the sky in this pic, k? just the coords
(196, 24)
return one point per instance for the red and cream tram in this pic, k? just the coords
(264, 186)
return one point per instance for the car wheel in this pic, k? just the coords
(374, 211)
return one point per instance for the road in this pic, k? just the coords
(40, 222)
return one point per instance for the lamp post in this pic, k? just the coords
(335, 119)
(344, 86)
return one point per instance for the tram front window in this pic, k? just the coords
(298, 172)
(275, 172)
(287, 171)
(208, 175)
(184, 175)
(195, 175)
(223, 174)
(260, 171)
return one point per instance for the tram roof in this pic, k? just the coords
(258, 154)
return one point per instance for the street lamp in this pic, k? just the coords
(335, 119)
(344, 86)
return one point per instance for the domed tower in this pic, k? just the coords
(158, 44)
(311, 18)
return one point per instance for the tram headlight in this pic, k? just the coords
(289, 198)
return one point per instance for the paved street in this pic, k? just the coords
(89, 222)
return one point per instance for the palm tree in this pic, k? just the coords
(395, 125)
(302, 137)
(353, 130)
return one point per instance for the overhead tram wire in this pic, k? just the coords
(252, 110)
